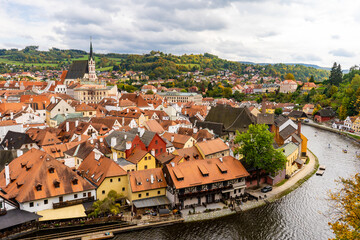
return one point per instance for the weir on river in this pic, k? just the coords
(302, 214)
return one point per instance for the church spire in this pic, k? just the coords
(91, 49)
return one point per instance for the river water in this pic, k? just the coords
(302, 214)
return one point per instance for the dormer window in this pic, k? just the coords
(38, 187)
(56, 184)
(51, 170)
(75, 181)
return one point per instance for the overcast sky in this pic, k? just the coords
(300, 31)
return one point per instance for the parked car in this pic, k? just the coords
(266, 189)
(306, 120)
(351, 131)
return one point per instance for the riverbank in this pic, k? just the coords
(353, 137)
(278, 192)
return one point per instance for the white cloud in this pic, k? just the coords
(316, 32)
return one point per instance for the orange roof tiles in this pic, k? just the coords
(96, 168)
(36, 168)
(141, 180)
(212, 146)
(200, 172)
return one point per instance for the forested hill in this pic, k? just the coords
(155, 64)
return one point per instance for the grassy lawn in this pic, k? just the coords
(104, 69)
(354, 136)
(281, 183)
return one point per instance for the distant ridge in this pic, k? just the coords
(303, 64)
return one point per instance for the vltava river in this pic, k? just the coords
(302, 214)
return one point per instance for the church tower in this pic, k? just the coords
(91, 62)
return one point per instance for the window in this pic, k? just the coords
(123, 189)
(75, 196)
(119, 179)
(67, 109)
(158, 192)
(38, 187)
(59, 110)
(235, 191)
(56, 184)
(110, 179)
(75, 181)
(51, 170)
(103, 192)
(61, 199)
(161, 150)
(145, 158)
(156, 141)
(84, 194)
(147, 194)
(156, 151)
(145, 166)
(139, 195)
(31, 204)
(46, 201)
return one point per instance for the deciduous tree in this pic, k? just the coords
(345, 209)
(256, 147)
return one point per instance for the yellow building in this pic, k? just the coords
(105, 174)
(291, 151)
(304, 141)
(270, 110)
(147, 189)
(142, 159)
(86, 110)
(356, 125)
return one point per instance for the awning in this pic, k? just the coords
(151, 202)
(16, 217)
(76, 211)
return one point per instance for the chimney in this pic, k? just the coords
(125, 136)
(92, 141)
(123, 122)
(101, 140)
(172, 138)
(153, 152)
(76, 123)
(113, 142)
(11, 115)
(172, 164)
(128, 145)
(141, 132)
(7, 174)
(152, 179)
(67, 126)
(127, 110)
(79, 138)
(299, 128)
(263, 107)
(221, 159)
(19, 152)
(114, 156)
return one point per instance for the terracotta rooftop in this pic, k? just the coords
(212, 146)
(207, 171)
(37, 170)
(141, 180)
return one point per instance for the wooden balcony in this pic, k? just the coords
(73, 202)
